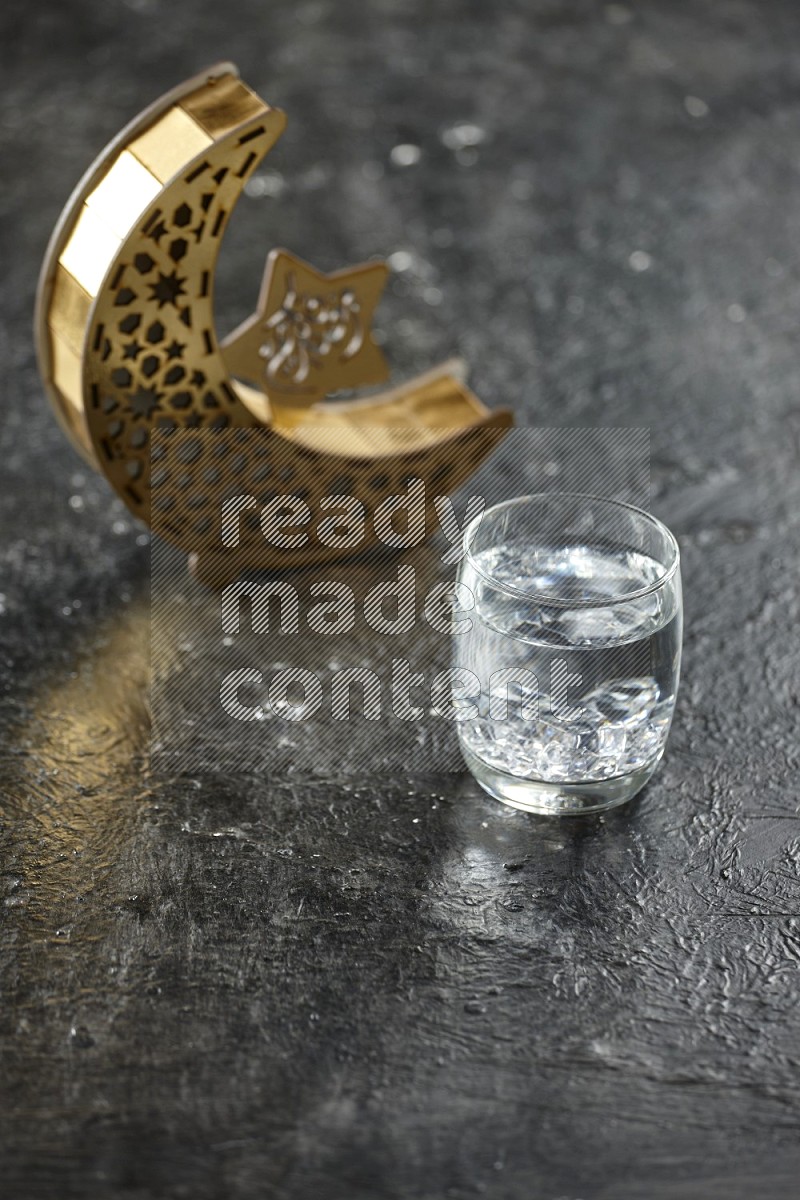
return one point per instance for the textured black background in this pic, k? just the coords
(223, 987)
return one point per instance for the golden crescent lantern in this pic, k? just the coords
(130, 358)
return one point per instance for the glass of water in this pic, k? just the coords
(567, 644)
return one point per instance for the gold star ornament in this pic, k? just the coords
(311, 333)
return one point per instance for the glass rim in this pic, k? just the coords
(565, 601)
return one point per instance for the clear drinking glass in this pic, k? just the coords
(567, 644)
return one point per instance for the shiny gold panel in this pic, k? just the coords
(69, 309)
(123, 194)
(91, 249)
(68, 371)
(164, 147)
(224, 105)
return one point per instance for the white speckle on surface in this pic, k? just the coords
(266, 183)
(78, 479)
(401, 260)
(432, 295)
(227, 641)
(695, 107)
(406, 154)
(640, 261)
(456, 137)
(76, 502)
(142, 539)
(119, 527)
(736, 314)
(316, 177)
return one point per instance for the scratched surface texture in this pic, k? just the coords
(218, 986)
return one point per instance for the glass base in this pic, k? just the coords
(557, 799)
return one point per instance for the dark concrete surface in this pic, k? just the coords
(223, 986)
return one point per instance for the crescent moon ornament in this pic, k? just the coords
(178, 423)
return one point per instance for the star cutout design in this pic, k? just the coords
(144, 402)
(311, 332)
(132, 349)
(167, 289)
(176, 349)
